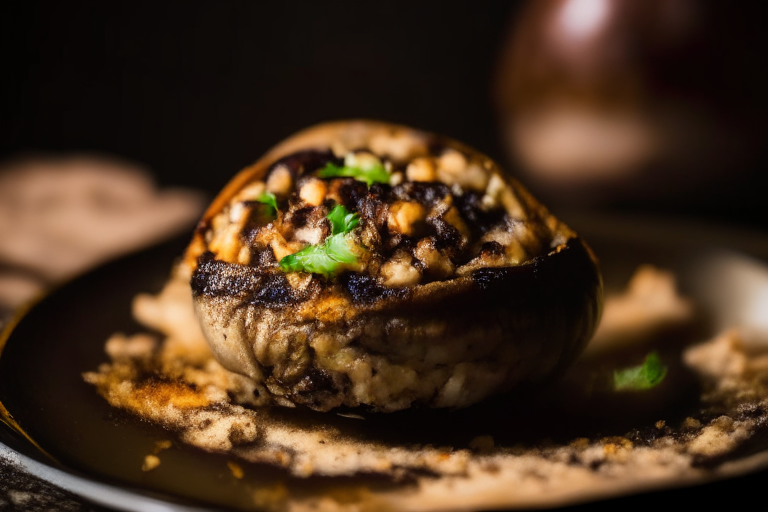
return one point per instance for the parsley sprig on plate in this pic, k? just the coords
(330, 256)
(637, 378)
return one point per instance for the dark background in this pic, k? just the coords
(196, 91)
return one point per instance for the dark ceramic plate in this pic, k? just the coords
(72, 438)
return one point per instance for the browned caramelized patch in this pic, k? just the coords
(264, 287)
(154, 394)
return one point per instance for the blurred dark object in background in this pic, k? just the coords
(646, 105)
(653, 104)
(198, 90)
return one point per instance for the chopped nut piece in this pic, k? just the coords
(395, 179)
(244, 256)
(220, 221)
(280, 181)
(227, 243)
(453, 218)
(450, 166)
(473, 178)
(237, 213)
(399, 272)
(436, 263)
(314, 191)
(493, 192)
(421, 169)
(362, 160)
(498, 193)
(299, 280)
(310, 235)
(453, 168)
(452, 162)
(282, 249)
(512, 205)
(403, 216)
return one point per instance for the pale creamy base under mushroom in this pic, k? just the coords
(210, 408)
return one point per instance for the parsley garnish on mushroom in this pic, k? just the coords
(360, 166)
(329, 257)
(269, 199)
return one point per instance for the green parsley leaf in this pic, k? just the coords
(342, 221)
(340, 248)
(313, 258)
(327, 258)
(269, 199)
(638, 378)
(370, 175)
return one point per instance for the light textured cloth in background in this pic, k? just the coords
(61, 216)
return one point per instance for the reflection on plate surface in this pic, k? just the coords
(63, 336)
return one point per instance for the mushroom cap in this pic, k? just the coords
(530, 320)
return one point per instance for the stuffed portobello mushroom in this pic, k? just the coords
(368, 265)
